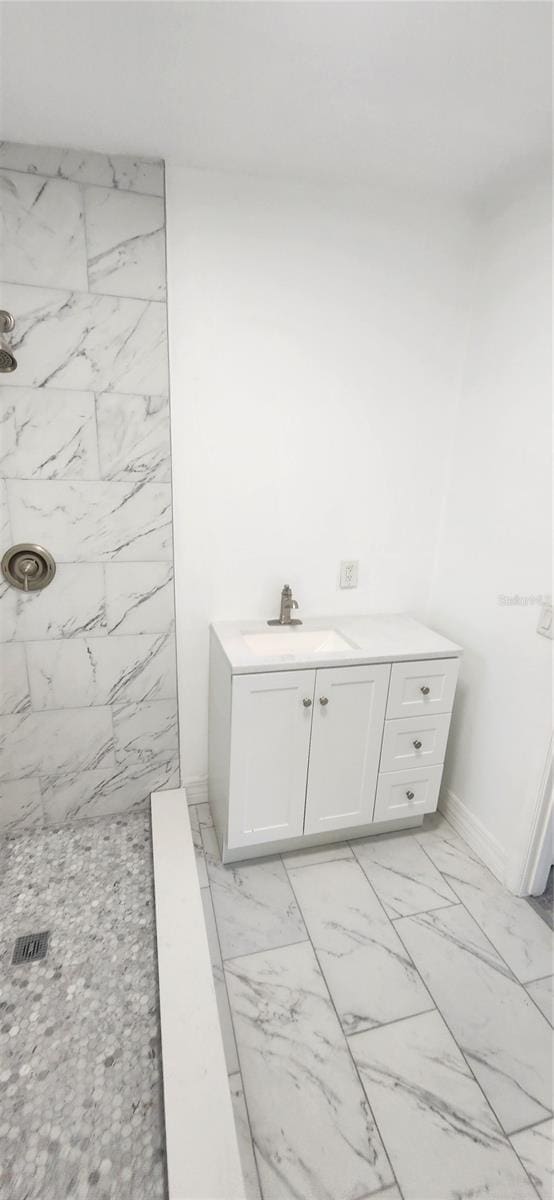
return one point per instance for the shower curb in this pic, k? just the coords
(201, 1143)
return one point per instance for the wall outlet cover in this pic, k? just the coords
(349, 573)
(544, 624)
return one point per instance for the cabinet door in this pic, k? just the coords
(349, 712)
(270, 744)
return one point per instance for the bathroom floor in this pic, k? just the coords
(544, 905)
(80, 1074)
(386, 1011)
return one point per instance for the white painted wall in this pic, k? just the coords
(496, 538)
(316, 336)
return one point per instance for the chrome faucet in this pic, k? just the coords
(287, 605)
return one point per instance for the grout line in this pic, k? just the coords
(83, 183)
(396, 1021)
(69, 291)
(81, 188)
(533, 1001)
(265, 949)
(424, 911)
(67, 708)
(81, 636)
(128, 481)
(525, 1128)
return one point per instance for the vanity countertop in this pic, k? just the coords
(377, 637)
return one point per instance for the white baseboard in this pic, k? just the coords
(196, 789)
(472, 830)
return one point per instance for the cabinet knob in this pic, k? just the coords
(425, 690)
(307, 702)
(323, 700)
(417, 745)
(410, 795)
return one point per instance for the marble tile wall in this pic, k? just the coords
(88, 710)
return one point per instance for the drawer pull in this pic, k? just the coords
(417, 744)
(425, 690)
(323, 700)
(307, 702)
(410, 795)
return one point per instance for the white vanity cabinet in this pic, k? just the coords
(306, 754)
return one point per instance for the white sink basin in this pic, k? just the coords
(296, 641)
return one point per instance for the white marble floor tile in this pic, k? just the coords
(91, 343)
(86, 166)
(517, 932)
(42, 231)
(225, 1020)
(248, 1162)
(441, 1136)
(47, 433)
(126, 243)
(368, 972)
(133, 437)
(14, 685)
(96, 793)
(254, 903)
(536, 1151)
(542, 993)
(93, 521)
(71, 605)
(145, 730)
(405, 880)
(139, 597)
(504, 1037)
(313, 1132)
(20, 805)
(75, 672)
(316, 854)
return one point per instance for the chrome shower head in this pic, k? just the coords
(8, 361)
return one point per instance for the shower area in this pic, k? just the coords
(88, 717)
(89, 711)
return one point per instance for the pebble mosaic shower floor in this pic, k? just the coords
(80, 1071)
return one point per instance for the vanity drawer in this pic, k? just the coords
(407, 793)
(414, 742)
(422, 687)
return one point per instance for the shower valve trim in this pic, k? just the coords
(8, 361)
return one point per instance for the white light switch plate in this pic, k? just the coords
(544, 625)
(349, 573)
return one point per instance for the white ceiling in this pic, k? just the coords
(446, 95)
